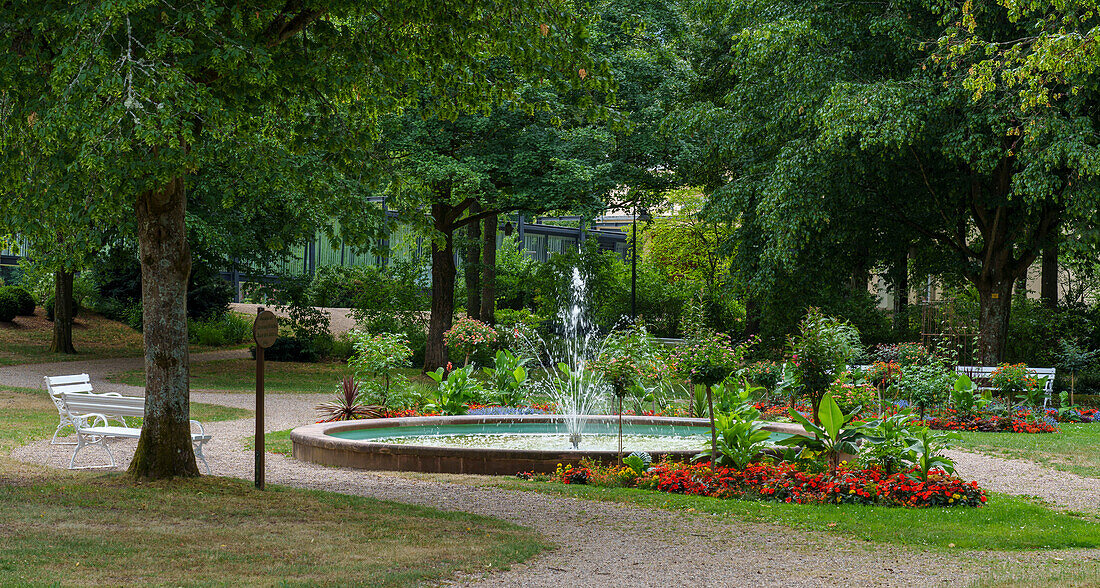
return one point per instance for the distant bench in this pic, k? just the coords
(981, 376)
(88, 414)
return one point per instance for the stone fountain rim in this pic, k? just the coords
(316, 444)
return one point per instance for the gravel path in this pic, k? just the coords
(620, 545)
(1027, 478)
(340, 319)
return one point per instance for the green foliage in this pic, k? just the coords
(523, 319)
(1073, 356)
(853, 396)
(228, 329)
(926, 384)
(833, 437)
(628, 357)
(375, 363)
(508, 378)
(23, 298)
(924, 452)
(889, 439)
(709, 359)
(639, 461)
(741, 438)
(1013, 379)
(9, 305)
(822, 347)
(468, 336)
(456, 391)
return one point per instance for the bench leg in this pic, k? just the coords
(60, 426)
(198, 454)
(102, 441)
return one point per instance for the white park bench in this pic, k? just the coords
(88, 413)
(981, 375)
(78, 384)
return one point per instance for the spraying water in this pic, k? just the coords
(576, 390)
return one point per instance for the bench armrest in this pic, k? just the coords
(195, 423)
(92, 419)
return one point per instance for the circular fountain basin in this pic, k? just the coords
(501, 445)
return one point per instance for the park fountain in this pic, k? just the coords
(507, 444)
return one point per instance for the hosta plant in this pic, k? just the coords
(740, 439)
(455, 393)
(889, 439)
(347, 405)
(508, 377)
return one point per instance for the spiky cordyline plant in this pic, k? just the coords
(346, 407)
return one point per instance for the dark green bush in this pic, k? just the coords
(9, 305)
(25, 300)
(117, 283)
(290, 349)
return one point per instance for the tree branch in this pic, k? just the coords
(280, 29)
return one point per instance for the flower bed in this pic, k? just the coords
(1019, 423)
(785, 482)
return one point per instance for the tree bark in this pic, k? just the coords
(995, 301)
(443, 289)
(164, 449)
(472, 267)
(1048, 289)
(489, 270)
(63, 310)
(901, 290)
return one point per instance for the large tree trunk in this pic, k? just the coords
(995, 300)
(472, 267)
(489, 270)
(901, 291)
(164, 449)
(62, 313)
(1048, 289)
(443, 289)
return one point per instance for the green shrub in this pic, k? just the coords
(230, 329)
(9, 306)
(508, 319)
(290, 349)
(24, 298)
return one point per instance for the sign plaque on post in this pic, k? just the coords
(264, 331)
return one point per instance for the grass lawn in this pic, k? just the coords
(239, 375)
(27, 340)
(1006, 522)
(1076, 449)
(63, 527)
(110, 530)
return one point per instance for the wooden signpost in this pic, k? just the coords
(264, 331)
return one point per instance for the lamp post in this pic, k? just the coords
(634, 259)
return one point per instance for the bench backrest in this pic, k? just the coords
(79, 383)
(125, 406)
